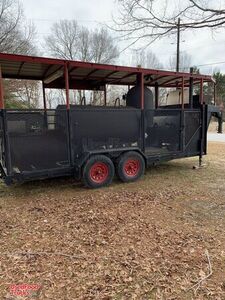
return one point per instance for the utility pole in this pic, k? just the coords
(178, 46)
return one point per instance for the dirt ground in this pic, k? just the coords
(160, 238)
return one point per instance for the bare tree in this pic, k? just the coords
(55, 97)
(103, 47)
(153, 19)
(63, 43)
(63, 40)
(28, 92)
(185, 62)
(24, 93)
(103, 50)
(145, 59)
(84, 42)
(15, 36)
(68, 40)
(10, 15)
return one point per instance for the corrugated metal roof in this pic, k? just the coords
(27, 67)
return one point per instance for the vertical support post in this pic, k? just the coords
(182, 94)
(1, 91)
(140, 80)
(44, 96)
(142, 91)
(178, 46)
(201, 91)
(214, 92)
(156, 95)
(69, 129)
(45, 105)
(191, 87)
(203, 123)
(105, 95)
(182, 119)
(67, 87)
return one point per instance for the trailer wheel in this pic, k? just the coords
(130, 166)
(98, 171)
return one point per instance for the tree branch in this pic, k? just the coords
(219, 12)
(149, 19)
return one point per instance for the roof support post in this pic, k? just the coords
(182, 132)
(44, 96)
(214, 92)
(67, 86)
(156, 95)
(191, 89)
(140, 82)
(105, 95)
(201, 91)
(69, 137)
(141, 105)
(182, 93)
(45, 105)
(203, 147)
(1, 91)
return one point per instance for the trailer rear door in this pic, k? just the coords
(36, 142)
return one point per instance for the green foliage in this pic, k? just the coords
(15, 104)
(220, 85)
(21, 94)
(219, 79)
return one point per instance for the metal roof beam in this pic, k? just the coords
(90, 73)
(73, 69)
(20, 68)
(156, 79)
(46, 71)
(123, 77)
(171, 79)
(110, 74)
(52, 74)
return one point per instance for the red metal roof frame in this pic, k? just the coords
(31, 59)
(73, 65)
(40, 68)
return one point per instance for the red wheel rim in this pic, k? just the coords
(132, 167)
(99, 172)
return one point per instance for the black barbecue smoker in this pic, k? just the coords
(93, 143)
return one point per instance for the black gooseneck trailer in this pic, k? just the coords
(95, 142)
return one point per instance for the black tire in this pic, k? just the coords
(132, 161)
(98, 171)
